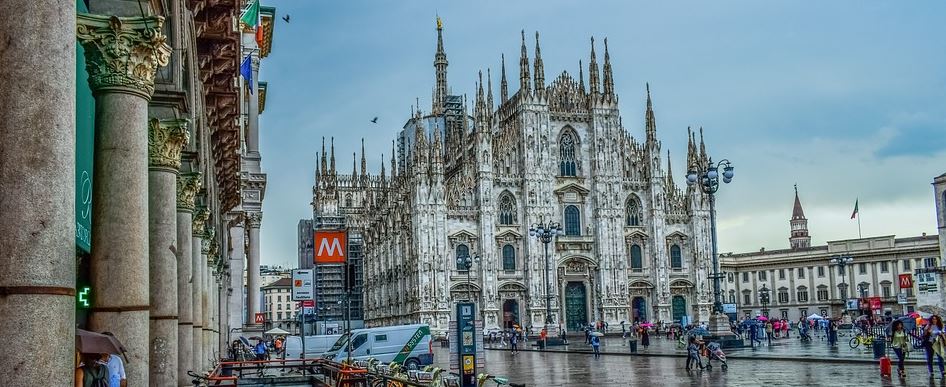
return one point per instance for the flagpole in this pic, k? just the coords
(859, 226)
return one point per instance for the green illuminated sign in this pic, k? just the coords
(83, 297)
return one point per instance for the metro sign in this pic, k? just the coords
(906, 281)
(330, 247)
(260, 318)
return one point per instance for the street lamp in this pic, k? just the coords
(466, 262)
(707, 180)
(842, 261)
(764, 299)
(544, 233)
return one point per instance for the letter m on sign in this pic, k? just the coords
(906, 281)
(330, 247)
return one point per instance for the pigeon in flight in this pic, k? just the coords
(286, 18)
(374, 120)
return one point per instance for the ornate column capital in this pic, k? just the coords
(200, 221)
(122, 52)
(166, 140)
(213, 248)
(254, 219)
(187, 186)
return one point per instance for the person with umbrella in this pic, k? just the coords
(596, 343)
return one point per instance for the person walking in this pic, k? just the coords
(645, 337)
(693, 354)
(596, 345)
(933, 343)
(514, 343)
(832, 333)
(900, 344)
(769, 329)
(260, 350)
(623, 330)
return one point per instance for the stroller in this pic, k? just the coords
(714, 352)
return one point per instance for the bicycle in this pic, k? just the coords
(859, 339)
(199, 380)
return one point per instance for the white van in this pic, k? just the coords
(405, 344)
(315, 346)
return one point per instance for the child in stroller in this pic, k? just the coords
(715, 352)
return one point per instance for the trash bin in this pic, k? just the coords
(226, 370)
(880, 347)
(632, 345)
(444, 343)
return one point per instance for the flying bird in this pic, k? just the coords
(374, 120)
(286, 18)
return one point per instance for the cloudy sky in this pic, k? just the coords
(844, 98)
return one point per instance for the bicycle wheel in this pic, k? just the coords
(854, 342)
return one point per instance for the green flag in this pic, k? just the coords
(250, 15)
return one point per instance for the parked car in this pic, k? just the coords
(409, 345)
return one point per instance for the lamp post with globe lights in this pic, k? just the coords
(707, 179)
(544, 233)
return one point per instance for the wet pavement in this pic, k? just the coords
(577, 369)
(781, 349)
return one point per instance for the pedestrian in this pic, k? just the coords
(645, 338)
(623, 330)
(596, 345)
(933, 343)
(543, 337)
(832, 333)
(260, 350)
(588, 334)
(116, 370)
(693, 354)
(901, 345)
(776, 328)
(768, 332)
(91, 372)
(513, 343)
(786, 326)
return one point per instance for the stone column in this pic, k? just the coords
(37, 171)
(253, 220)
(197, 283)
(122, 55)
(252, 124)
(236, 313)
(166, 140)
(187, 224)
(206, 308)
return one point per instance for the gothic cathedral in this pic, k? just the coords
(635, 246)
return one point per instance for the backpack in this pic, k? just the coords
(98, 374)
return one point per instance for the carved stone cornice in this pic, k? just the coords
(122, 52)
(200, 221)
(187, 186)
(254, 219)
(166, 140)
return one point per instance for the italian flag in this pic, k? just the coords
(251, 17)
(854, 214)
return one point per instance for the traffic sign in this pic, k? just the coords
(302, 285)
(906, 281)
(260, 318)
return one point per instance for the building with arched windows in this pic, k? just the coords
(636, 246)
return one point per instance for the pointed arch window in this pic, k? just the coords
(509, 258)
(568, 166)
(507, 209)
(348, 200)
(637, 259)
(462, 251)
(633, 215)
(572, 221)
(676, 257)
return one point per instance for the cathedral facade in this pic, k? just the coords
(635, 246)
